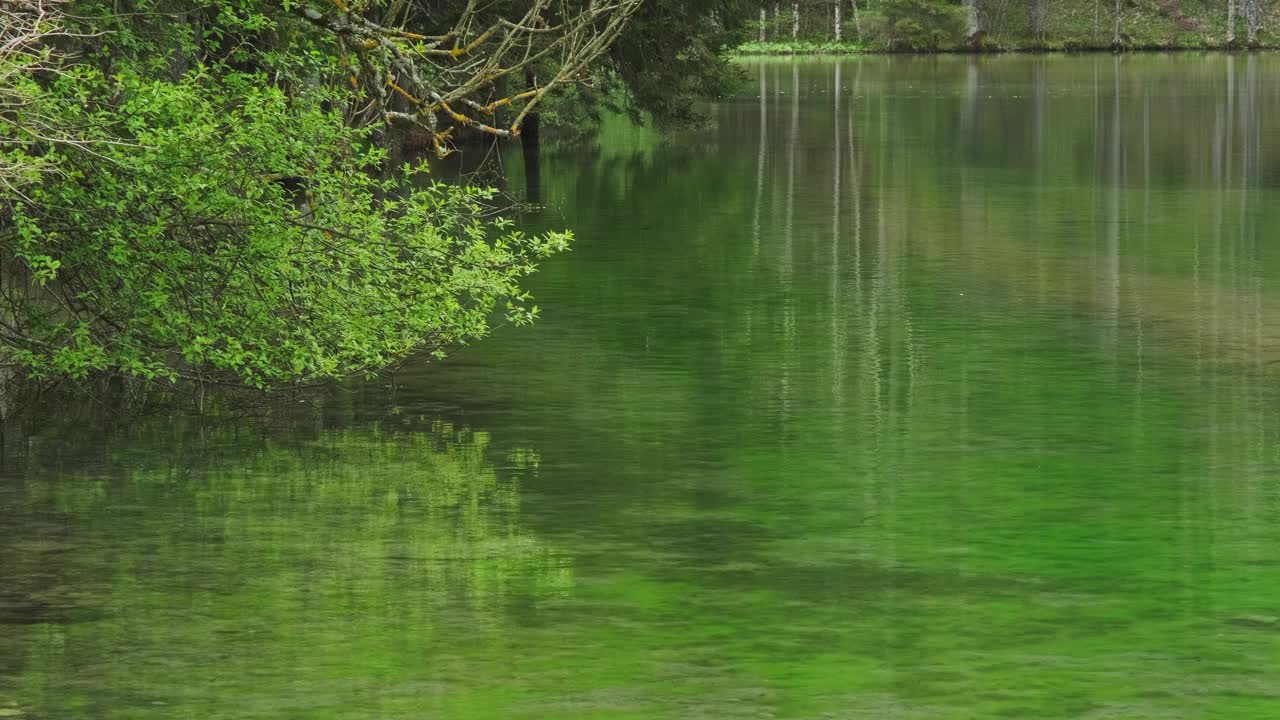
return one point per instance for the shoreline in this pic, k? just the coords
(1082, 50)
(736, 54)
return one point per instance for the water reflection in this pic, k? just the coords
(278, 570)
(990, 344)
(918, 387)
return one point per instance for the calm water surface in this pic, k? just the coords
(936, 388)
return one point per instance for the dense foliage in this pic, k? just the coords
(673, 54)
(177, 254)
(207, 194)
(918, 24)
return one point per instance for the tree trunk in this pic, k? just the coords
(971, 11)
(764, 17)
(857, 23)
(1253, 20)
(1039, 16)
(795, 21)
(1231, 22)
(1115, 36)
(838, 21)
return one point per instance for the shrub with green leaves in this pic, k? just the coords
(800, 47)
(214, 228)
(914, 25)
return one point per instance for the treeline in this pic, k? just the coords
(933, 25)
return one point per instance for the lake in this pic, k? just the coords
(923, 388)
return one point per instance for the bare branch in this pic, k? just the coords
(28, 29)
(438, 76)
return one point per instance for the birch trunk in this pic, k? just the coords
(1231, 22)
(1039, 14)
(838, 21)
(1115, 36)
(857, 23)
(1253, 20)
(764, 17)
(795, 20)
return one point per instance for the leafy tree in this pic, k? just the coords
(212, 200)
(674, 54)
(920, 24)
(177, 255)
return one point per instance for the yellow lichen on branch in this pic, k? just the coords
(437, 73)
(491, 107)
(457, 116)
(392, 84)
(438, 140)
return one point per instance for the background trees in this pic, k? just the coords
(674, 54)
(992, 24)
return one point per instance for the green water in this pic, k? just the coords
(920, 388)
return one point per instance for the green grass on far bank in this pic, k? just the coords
(800, 47)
